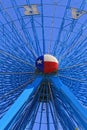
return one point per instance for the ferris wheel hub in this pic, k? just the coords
(47, 64)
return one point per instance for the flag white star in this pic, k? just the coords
(39, 61)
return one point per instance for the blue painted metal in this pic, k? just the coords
(21, 37)
(38, 48)
(54, 112)
(43, 34)
(74, 21)
(17, 63)
(80, 112)
(47, 110)
(7, 18)
(61, 28)
(6, 121)
(35, 112)
(27, 37)
(41, 114)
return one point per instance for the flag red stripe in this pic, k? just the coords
(50, 67)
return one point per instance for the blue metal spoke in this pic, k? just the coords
(43, 34)
(47, 108)
(75, 43)
(55, 114)
(70, 78)
(7, 36)
(35, 111)
(17, 31)
(4, 122)
(36, 37)
(32, 100)
(38, 48)
(76, 65)
(13, 91)
(74, 21)
(14, 57)
(79, 111)
(22, 24)
(42, 108)
(61, 28)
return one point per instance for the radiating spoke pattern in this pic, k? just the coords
(32, 28)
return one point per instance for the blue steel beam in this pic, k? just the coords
(36, 108)
(13, 111)
(81, 113)
(47, 109)
(70, 31)
(7, 18)
(61, 28)
(22, 24)
(54, 115)
(74, 21)
(42, 19)
(41, 114)
(38, 48)
(8, 38)
(19, 35)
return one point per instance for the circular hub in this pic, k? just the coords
(47, 64)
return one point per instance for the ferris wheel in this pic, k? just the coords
(43, 65)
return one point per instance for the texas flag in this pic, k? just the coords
(47, 63)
